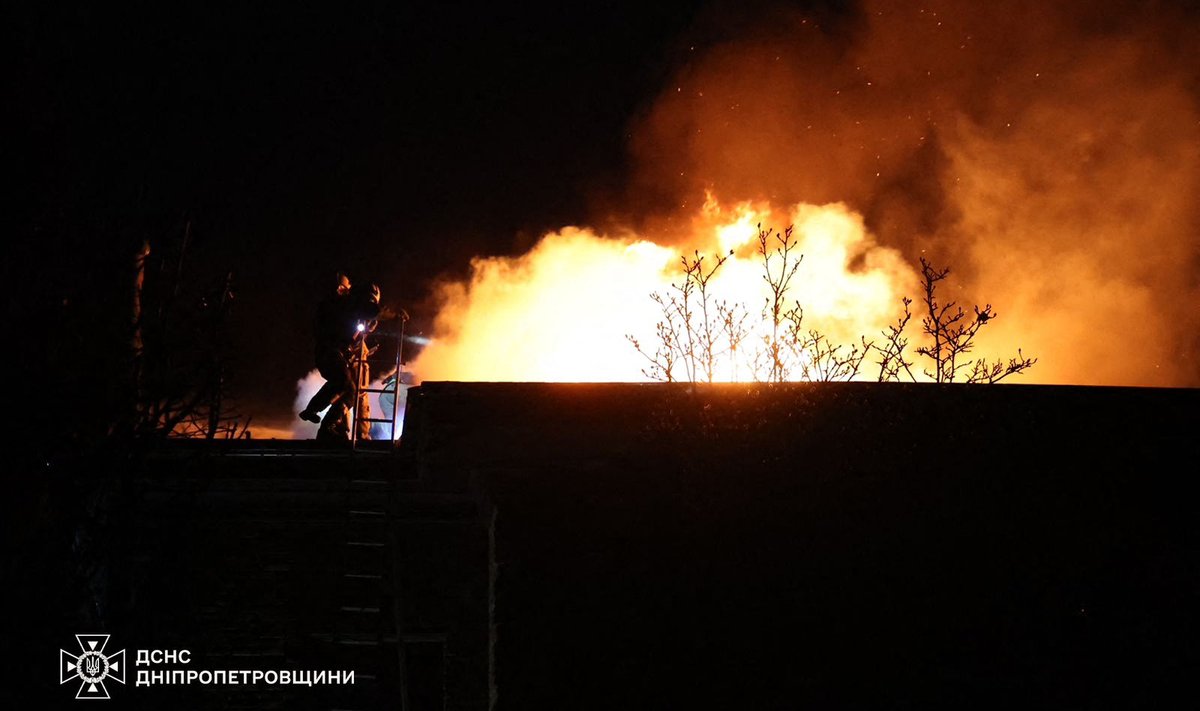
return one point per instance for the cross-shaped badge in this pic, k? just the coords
(92, 666)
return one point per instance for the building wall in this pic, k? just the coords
(827, 545)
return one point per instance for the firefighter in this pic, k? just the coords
(332, 340)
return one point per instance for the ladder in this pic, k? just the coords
(362, 385)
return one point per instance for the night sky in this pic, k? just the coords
(391, 140)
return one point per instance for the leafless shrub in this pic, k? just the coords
(891, 355)
(776, 248)
(697, 331)
(984, 372)
(952, 332)
(180, 352)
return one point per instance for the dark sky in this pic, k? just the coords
(392, 140)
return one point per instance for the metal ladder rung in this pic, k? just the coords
(361, 363)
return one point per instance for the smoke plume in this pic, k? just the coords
(1049, 154)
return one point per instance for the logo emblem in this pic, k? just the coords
(91, 666)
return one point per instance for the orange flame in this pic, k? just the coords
(561, 312)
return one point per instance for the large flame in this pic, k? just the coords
(562, 311)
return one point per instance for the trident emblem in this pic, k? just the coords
(91, 666)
